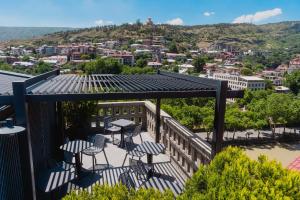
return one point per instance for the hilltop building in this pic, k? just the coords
(294, 65)
(237, 82)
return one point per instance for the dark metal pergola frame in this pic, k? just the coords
(54, 87)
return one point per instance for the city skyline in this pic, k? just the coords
(88, 13)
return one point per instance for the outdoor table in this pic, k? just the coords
(123, 123)
(76, 147)
(150, 148)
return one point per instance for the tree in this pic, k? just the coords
(141, 62)
(173, 47)
(199, 63)
(103, 66)
(269, 85)
(6, 67)
(85, 57)
(246, 71)
(26, 58)
(233, 175)
(293, 81)
(42, 68)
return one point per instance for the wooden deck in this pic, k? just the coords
(167, 175)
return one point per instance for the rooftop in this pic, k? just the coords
(6, 79)
(252, 78)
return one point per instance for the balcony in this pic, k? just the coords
(184, 151)
(37, 104)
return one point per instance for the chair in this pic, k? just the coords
(139, 168)
(68, 161)
(135, 132)
(126, 180)
(129, 146)
(99, 145)
(110, 128)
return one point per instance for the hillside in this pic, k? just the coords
(17, 33)
(240, 36)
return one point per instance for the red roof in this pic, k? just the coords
(295, 165)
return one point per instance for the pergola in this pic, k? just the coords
(53, 87)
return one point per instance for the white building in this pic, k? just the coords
(236, 82)
(185, 67)
(23, 64)
(275, 76)
(156, 65)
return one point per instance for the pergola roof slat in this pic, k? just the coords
(110, 86)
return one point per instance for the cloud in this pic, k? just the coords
(176, 21)
(101, 22)
(207, 14)
(258, 16)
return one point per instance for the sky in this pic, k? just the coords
(87, 13)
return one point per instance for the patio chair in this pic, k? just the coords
(99, 146)
(66, 164)
(108, 127)
(126, 180)
(135, 132)
(139, 168)
(129, 146)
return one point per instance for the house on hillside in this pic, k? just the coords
(294, 65)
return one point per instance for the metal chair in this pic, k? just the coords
(129, 146)
(139, 168)
(135, 132)
(99, 145)
(126, 180)
(110, 128)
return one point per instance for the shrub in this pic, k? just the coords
(232, 175)
(119, 192)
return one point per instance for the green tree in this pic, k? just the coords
(103, 66)
(173, 47)
(293, 81)
(85, 57)
(42, 68)
(199, 63)
(269, 85)
(5, 66)
(26, 58)
(233, 175)
(246, 71)
(141, 62)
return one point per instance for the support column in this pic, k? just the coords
(157, 121)
(220, 108)
(59, 126)
(25, 150)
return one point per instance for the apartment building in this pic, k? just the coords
(236, 82)
(294, 65)
(46, 50)
(275, 76)
(124, 57)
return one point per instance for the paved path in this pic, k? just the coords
(282, 152)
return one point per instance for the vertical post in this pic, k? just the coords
(25, 150)
(157, 121)
(59, 127)
(220, 108)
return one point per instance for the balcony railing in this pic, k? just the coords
(185, 148)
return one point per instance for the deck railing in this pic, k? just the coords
(185, 148)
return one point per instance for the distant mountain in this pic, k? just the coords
(282, 35)
(17, 33)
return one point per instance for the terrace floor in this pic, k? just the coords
(167, 175)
